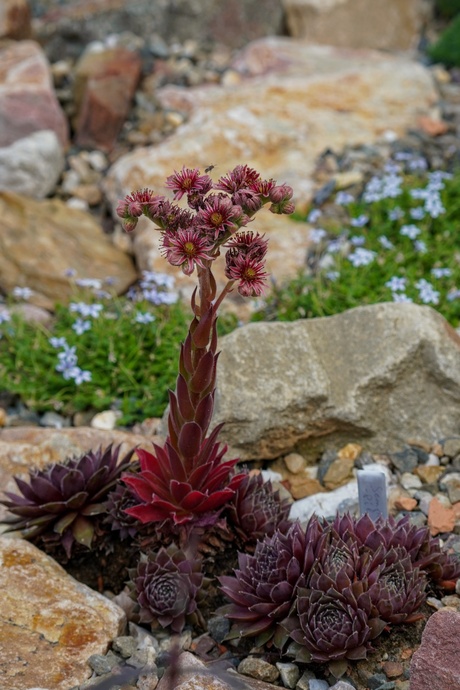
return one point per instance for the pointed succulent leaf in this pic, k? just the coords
(186, 408)
(202, 333)
(63, 523)
(83, 531)
(190, 439)
(203, 376)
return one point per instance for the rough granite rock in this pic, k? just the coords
(50, 624)
(436, 663)
(375, 375)
(27, 100)
(68, 238)
(389, 25)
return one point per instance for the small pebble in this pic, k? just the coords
(304, 680)
(393, 669)
(289, 673)
(316, 684)
(124, 645)
(259, 669)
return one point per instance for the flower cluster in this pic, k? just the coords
(331, 588)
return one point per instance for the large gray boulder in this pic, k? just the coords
(379, 375)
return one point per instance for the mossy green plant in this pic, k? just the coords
(447, 47)
(448, 8)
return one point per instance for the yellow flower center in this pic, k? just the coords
(216, 218)
(189, 248)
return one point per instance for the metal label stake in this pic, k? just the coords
(372, 493)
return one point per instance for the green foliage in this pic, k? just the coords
(132, 365)
(447, 47)
(314, 294)
(448, 8)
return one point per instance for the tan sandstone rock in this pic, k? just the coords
(389, 25)
(68, 238)
(50, 624)
(295, 100)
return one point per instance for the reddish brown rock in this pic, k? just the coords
(50, 624)
(105, 84)
(436, 664)
(28, 103)
(15, 19)
(441, 518)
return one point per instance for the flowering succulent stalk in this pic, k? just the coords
(187, 480)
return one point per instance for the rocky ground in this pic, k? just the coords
(425, 477)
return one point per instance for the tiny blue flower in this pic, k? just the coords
(401, 297)
(396, 284)
(80, 326)
(396, 213)
(360, 221)
(22, 292)
(317, 234)
(58, 342)
(144, 317)
(344, 198)
(385, 242)
(314, 215)
(410, 231)
(420, 246)
(441, 272)
(362, 257)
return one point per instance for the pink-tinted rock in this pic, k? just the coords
(15, 19)
(436, 664)
(27, 100)
(105, 84)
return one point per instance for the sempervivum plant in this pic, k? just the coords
(64, 503)
(265, 585)
(257, 511)
(335, 624)
(400, 587)
(425, 551)
(165, 586)
(188, 482)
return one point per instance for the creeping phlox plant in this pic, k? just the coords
(395, 241)
(319, 593)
